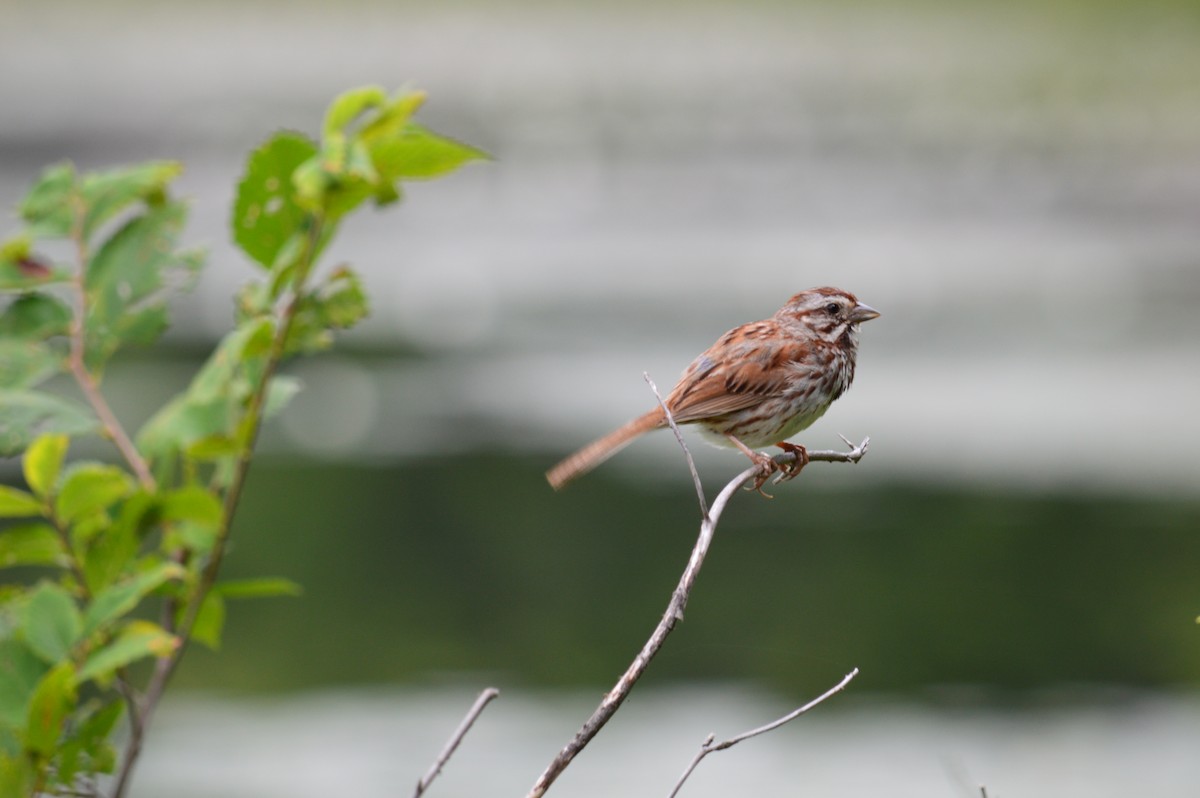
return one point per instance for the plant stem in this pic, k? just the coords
(164, 669)
(78, 365)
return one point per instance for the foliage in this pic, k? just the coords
(118, 564)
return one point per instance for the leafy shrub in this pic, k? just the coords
(104, 548)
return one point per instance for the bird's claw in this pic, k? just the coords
(791, 470)
(766, 467)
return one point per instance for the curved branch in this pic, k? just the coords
(674, 613)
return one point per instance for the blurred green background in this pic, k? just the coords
(451, 567)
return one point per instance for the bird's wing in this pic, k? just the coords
(747, 365)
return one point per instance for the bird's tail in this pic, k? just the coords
(600, 450)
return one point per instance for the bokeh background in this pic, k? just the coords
(1016, 186)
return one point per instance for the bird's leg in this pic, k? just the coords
(792, 470)
(766, 465)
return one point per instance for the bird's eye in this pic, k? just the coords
(832, 308)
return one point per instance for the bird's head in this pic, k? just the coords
(830, 314)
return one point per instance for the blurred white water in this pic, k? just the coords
(372, 744)
(1015, 188)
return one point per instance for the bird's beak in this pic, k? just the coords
(863, 312)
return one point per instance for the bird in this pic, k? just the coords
(758, 385)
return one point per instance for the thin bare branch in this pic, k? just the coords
(708, 746)
(448, 751)
(682, 444)
(674, 613)
(829, 456)
(614, 698)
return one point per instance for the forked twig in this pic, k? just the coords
(674, 613)
(452, 744)
(708, 746)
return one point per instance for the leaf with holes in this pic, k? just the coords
(131, 277)
(265, 213)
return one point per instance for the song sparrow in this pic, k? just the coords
(759, 384)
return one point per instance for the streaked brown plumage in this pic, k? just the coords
(758, 385)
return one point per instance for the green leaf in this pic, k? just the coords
(43, 461)
(16, 503)
(25, 364)
(35, 316)
(210, 621)
(51, 622)
(311, 182)
(418, 153)
(17, 775)
(389, 120)
(191, 503)
(89, 487)
(48, 709)
(182, 422)
(131, 277)
(214, 447)
(342, 300)
(248, 340)
(88, 749)
(109, 556)
(280, 393)
(24, 415)
(337, 304)
(20, 671)
(30, 544)
(196, 538)
(138, 639)
(106, 194)
(120, 599)
(47, 205)
(258, 588)
(21, 269)
(348, 105)
(23, 275)
(265, 212)
(212, 403)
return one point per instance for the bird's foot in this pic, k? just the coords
(766, 466)
(792, 470)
